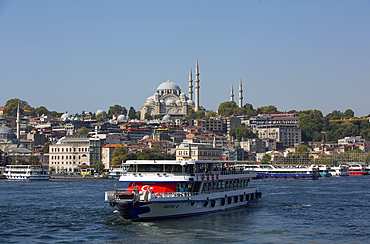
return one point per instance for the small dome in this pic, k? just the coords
(5, 130)
(146, 137)
(190, 101)
(66, 116)
(161, 101)
(167, 117)
(170, 101)
(150, 98)
(178, 101)
(150, 101)
(168, 85)
(121, 117)
(100, 111)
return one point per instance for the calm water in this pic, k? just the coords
(69, 211)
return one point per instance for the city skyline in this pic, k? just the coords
(89, 55)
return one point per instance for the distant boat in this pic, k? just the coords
(357, 169)
(26, 172)
(270, 172)
(341, 170)
(116, 172)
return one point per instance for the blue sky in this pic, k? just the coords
(87, 55)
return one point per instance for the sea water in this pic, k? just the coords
(328, 210)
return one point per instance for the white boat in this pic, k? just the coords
(341, 170)
(116, 172)
(357, 169)
(267, 171)
(26, 172)
(169, 188)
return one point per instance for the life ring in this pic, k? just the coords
(229, 200)
(213, 176)
(136, 204)
(112, 204)
(217, 176)
(202, 176)
(207, 176)
(223, 201)
(205, 204)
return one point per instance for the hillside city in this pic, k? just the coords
(68, 143)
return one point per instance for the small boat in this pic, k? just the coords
(26, 172)
(267, 171)
(323, 170)
(341, 170)
(169, 188)
(357, 169)
(116, 171)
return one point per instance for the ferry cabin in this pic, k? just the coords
(162, 189)
(26, 172)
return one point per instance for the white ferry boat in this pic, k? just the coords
(341, 170)
(357, 169)
(116, 171)
(270, 172)
(26, 172)
(168, 188)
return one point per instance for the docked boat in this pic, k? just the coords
(116, 172)
(341, 170)
(26, 172)
(357, 169)
(169, 188)
(323, 170)
(266, 171)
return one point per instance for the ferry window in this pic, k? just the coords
(173, 169)
(150, 167)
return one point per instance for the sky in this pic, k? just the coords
(88, 55)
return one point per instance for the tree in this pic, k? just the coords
(137, 115)
(116, 110)
(266, 159)
(83, 131)
(349, 113)
(46, 147)
(242, 132)
(266, 109)
(98, 165)
(156, 148)
(34, 160)
(148, 116)
(158, 116)
(41, 110)
(31, 109)
(99, 117)
(226, 109)
(210, 114)
(11, 106)
(132, 113)
(120, 156)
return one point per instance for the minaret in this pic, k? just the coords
(240, 93)
(197, 87)
(190, 85)
(18, 125)
(232, 94)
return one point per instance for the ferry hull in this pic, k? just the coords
(186, 206)
(30, 178)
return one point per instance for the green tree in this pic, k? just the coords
(312, 124)
(11, 106)
(31, 109)
(137, 115)
(116, 110)
(120, 156)
(83, 131)
(226, 109)
(34, 160)
(148, 116)
(242, 132)
(210, 114)
(249, 110)
(99, 117)
(349, 113)
(266, 109)
(21, 161)
(266, 159)
(98, 166)
(156, 148)
(41, 110)
(132, 113)
(46, 147)
(158, 116)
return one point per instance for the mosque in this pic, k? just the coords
(170, 101)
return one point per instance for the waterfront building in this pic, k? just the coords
(191, 150)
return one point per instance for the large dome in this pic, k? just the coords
(5, 130)
(168, 85)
